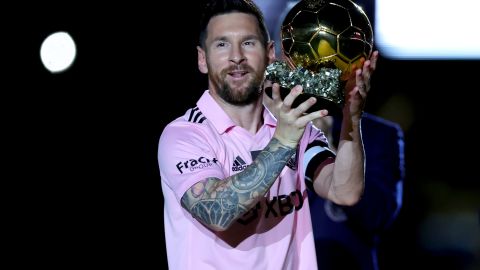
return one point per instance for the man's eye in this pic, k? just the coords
(249, 43)
(221, 44)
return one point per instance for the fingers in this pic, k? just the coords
(293, 121)
(362, 83)
(363, 74)
(276, 93)
(290, 98)
(302, 108)
(300, 111)
(373, 60)
(285, 105)
(305, 119)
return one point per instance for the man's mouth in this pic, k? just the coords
(237, 73)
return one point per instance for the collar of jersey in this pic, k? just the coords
(220, 120)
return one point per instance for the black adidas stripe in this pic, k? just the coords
(241, 160)
(192, 112)
(196, 116)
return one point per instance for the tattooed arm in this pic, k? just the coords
(218, 203)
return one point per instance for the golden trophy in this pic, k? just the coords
(321, 41)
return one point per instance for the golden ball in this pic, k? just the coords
(326, 33)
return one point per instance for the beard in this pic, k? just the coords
(241, 95)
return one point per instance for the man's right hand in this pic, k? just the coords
(291, 122)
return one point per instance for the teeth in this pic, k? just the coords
(237, 74)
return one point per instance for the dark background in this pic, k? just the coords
(83, 180)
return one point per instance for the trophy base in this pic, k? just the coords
(321, 104)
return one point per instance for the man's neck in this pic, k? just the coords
(249, 117)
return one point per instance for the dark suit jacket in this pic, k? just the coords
(346, 237)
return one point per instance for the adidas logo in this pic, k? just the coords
(239, 164)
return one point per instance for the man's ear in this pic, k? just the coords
(271, 51)
(202, 60)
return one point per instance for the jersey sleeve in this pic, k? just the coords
(186, 156)
(315, 151)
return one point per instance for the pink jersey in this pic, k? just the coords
(275, 234)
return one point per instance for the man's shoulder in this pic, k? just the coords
(190, 122)
(192, 117)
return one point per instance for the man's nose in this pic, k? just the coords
(236, 55)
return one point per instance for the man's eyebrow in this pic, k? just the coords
(247, 37)
(221, 38)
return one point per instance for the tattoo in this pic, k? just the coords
(217, 203)
(198, 189)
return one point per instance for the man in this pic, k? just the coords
(232, 175)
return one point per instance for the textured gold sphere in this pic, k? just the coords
(327, 33)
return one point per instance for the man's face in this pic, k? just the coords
(235, 58)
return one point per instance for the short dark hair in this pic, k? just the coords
(219, 7)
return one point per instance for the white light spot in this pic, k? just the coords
(428, 29)
(58, 52)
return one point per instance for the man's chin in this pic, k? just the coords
(238, 88)
(241, 97)
(238, 84)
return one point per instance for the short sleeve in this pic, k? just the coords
(314, 151)
(186, 156)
